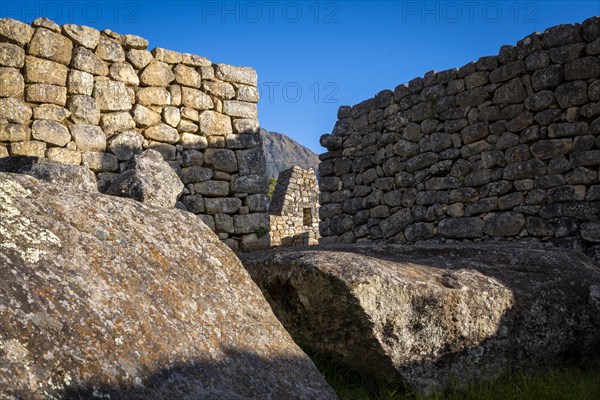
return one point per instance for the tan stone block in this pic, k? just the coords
(231, 73)
(43, 22)
(14, 132)
(171, 116)
(168, 56)
(110, 50)
(223, 90)
(38, 70)
(139, 58)
(133, 42)
(247, 93)
(190, 113)
(88, 137)
(63, 156)
(153, 96)
(32, 148)
(157, 74)
(114, 123)
(43, 93)
(168, 151)
(187, 126)
(11, 82)
(195, 61)
(124, 72)
(84, 109)
(11, 55)
(145, 117)
(175, 91)
(196, 99)
(100, 162)
(240, 109)
(82, 35)
(51, 46)
(162, 133)
(51, 132)
(85, 60)
(187, 76)
(214, 123)
(189, 141)
(80, 82)
(208, 72)
(15, 31)
(14, 110)
(111, 95)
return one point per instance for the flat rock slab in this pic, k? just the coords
(425, 315)
(74, 176)
(104, 297)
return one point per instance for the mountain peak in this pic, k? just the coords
(283, 152)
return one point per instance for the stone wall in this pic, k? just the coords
(295, 208)
(505, 147)
(76, 95)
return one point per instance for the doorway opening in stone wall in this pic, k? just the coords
(307, 217)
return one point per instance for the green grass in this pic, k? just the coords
(272, 184)
(558, 383)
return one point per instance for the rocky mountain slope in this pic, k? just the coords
(283, 152)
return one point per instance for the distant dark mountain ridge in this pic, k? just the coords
(283, 152)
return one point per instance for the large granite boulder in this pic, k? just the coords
(75, 176)
(103, 297)
(424, 315)
(150, 179)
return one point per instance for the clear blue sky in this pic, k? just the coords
(313, 57)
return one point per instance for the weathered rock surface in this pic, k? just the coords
(149, 179)
(425, 315)
(74, 176)
(107, 298)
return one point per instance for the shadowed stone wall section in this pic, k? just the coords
(75, 95)
(507, 147)
(294, 208)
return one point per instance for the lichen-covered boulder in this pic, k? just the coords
(103, 297)
(148, 178)
(75, 176)
(425, 315)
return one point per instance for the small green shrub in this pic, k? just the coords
(261, 231)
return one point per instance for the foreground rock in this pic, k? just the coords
(149, 179)
(424, 315)
(75, 176)
(103, 297)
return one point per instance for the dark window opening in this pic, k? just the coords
(307, 217)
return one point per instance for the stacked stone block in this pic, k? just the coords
(76, 95)
(294, 208)
(507, 147)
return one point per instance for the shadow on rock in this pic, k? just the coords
(426, 315)
(242, 375)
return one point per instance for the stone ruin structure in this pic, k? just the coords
(294, 208)
(75, 95)
(507, 147)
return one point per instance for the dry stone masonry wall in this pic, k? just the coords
(295, 208)
(505, 147)
(75, 95)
